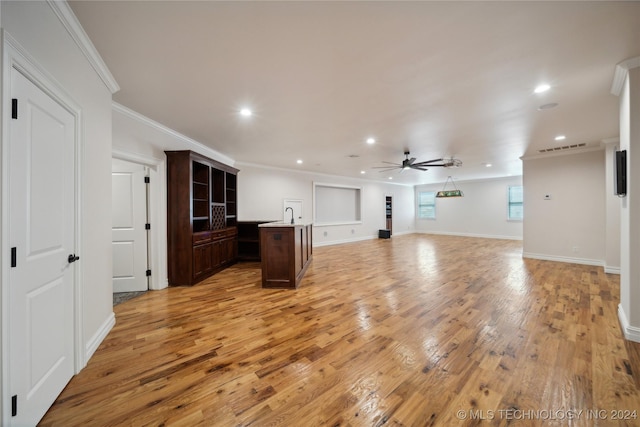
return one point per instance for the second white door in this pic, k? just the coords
(129, 236)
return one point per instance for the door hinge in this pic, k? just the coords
(14, 108)
(14, 405)
(147, 180)
(147, 226)
(14, 257)
(148, 273)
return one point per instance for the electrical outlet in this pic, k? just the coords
(575, 249)
(547, 196)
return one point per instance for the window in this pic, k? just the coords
(427, 204)
(515, 203)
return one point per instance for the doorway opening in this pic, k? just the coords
(388, 203)
(130, 229)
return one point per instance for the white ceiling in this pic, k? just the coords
(437, 78)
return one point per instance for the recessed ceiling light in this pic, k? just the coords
(299, 161)
(548, 106)
(390, 177)
(542, 88)
(371, 141)
(363, 172)
(488, 165)
(245, 112)
(560, 138)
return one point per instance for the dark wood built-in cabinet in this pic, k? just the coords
(202, 236)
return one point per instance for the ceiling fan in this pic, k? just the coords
(410, 163)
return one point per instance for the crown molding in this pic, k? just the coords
(77, 33)
(609, 142)
(191, 143)
(620, 74)
(472, 181)
(323, 174)
(570, 152)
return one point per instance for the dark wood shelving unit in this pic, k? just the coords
(202, 235)
(389, 213)
(249, 240)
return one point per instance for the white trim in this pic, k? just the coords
(157, 215)
(136, 158)
(15, 57)
(339, 242)
(462, 181)
(357, 220)
(612, 270)
(355, 239)
(84, 43)
(239, 165)
(631, 333)
(479, 236)
(97, 338)
(191, 143)
(331, 224)
(563, 152)
(620, 74)
(609, 141)
(571, 260)
(4, 243)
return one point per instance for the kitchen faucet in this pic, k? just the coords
(289, 207)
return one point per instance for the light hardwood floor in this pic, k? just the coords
(413, 331)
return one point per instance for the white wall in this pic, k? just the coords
(261, 192)
(36, 27)
(571, 225)
(628, 310)
(140, 136)
(482, 212)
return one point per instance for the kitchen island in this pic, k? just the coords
(286, 252)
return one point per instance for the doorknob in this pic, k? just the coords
(72, 258)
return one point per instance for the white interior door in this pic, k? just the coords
(42, 218)
(129, 209)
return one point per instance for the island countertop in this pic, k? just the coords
(284, 224)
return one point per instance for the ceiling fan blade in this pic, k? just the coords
(388, 167)
(391, 163)
(387, 170)
(411, 160)
(428, 162)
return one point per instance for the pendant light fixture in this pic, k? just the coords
(449, 193)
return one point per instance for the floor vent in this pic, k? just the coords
(561, 148)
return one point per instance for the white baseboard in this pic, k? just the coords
(339, 242)
(482, 236)
(356, 239)
(99, 336)
(631, 333)
(612, 270)
(583, 261)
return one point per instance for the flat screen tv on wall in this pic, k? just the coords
(620, 178)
